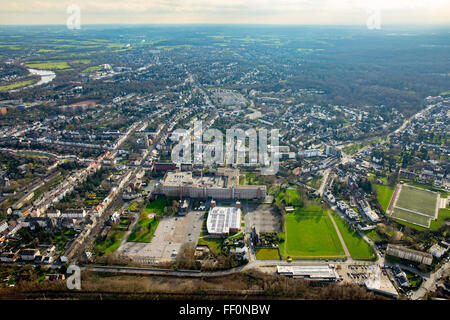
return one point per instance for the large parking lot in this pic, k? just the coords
(262, 216)
(355, 273)
(171, 234)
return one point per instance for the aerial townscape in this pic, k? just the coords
(352, 202)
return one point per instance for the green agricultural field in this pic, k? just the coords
(419, 200)
(10, 47)
(48, 50)
(174, 47)
(310, 234)
(384, 195)
(53, 65)
(91, 69)
(81, 61)
(15, 85)
(267, 254)
(411, 217)
(359, 249)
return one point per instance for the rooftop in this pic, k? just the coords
(316, 272)
(176, 179)
(222, 219)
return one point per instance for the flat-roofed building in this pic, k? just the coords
(223, 220)
(367, 211)
(439, 249)
(313, 272)
(220, 186)
(409, 254)
(379, 283)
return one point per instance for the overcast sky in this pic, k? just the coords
(226, 11)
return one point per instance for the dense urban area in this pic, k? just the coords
(358, 208)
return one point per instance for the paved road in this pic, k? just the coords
(429, 283)
(130, 229)
(255, 264)
(324, 181)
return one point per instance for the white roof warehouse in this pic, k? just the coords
(317, 272)
(223, 220)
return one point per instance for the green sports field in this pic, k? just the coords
(411, 217)
(310, 234)
(419, 200)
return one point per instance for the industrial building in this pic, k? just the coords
(224, 185)
(223, 220)
(314, 272)
(409, 254)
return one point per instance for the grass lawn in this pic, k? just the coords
(267, 254)
(359, 249)
(384, 195)
(310, 234)
(315, 182)
(354, 148)
(144, 230)
(251, 178)
(416, 199)
(374, 236)
(289, 196)
(214, 244)
(133, 206)
(414, 226)
(444, 214)
(110, 244)
(157, 206)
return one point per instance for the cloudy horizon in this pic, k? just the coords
(29, 12)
